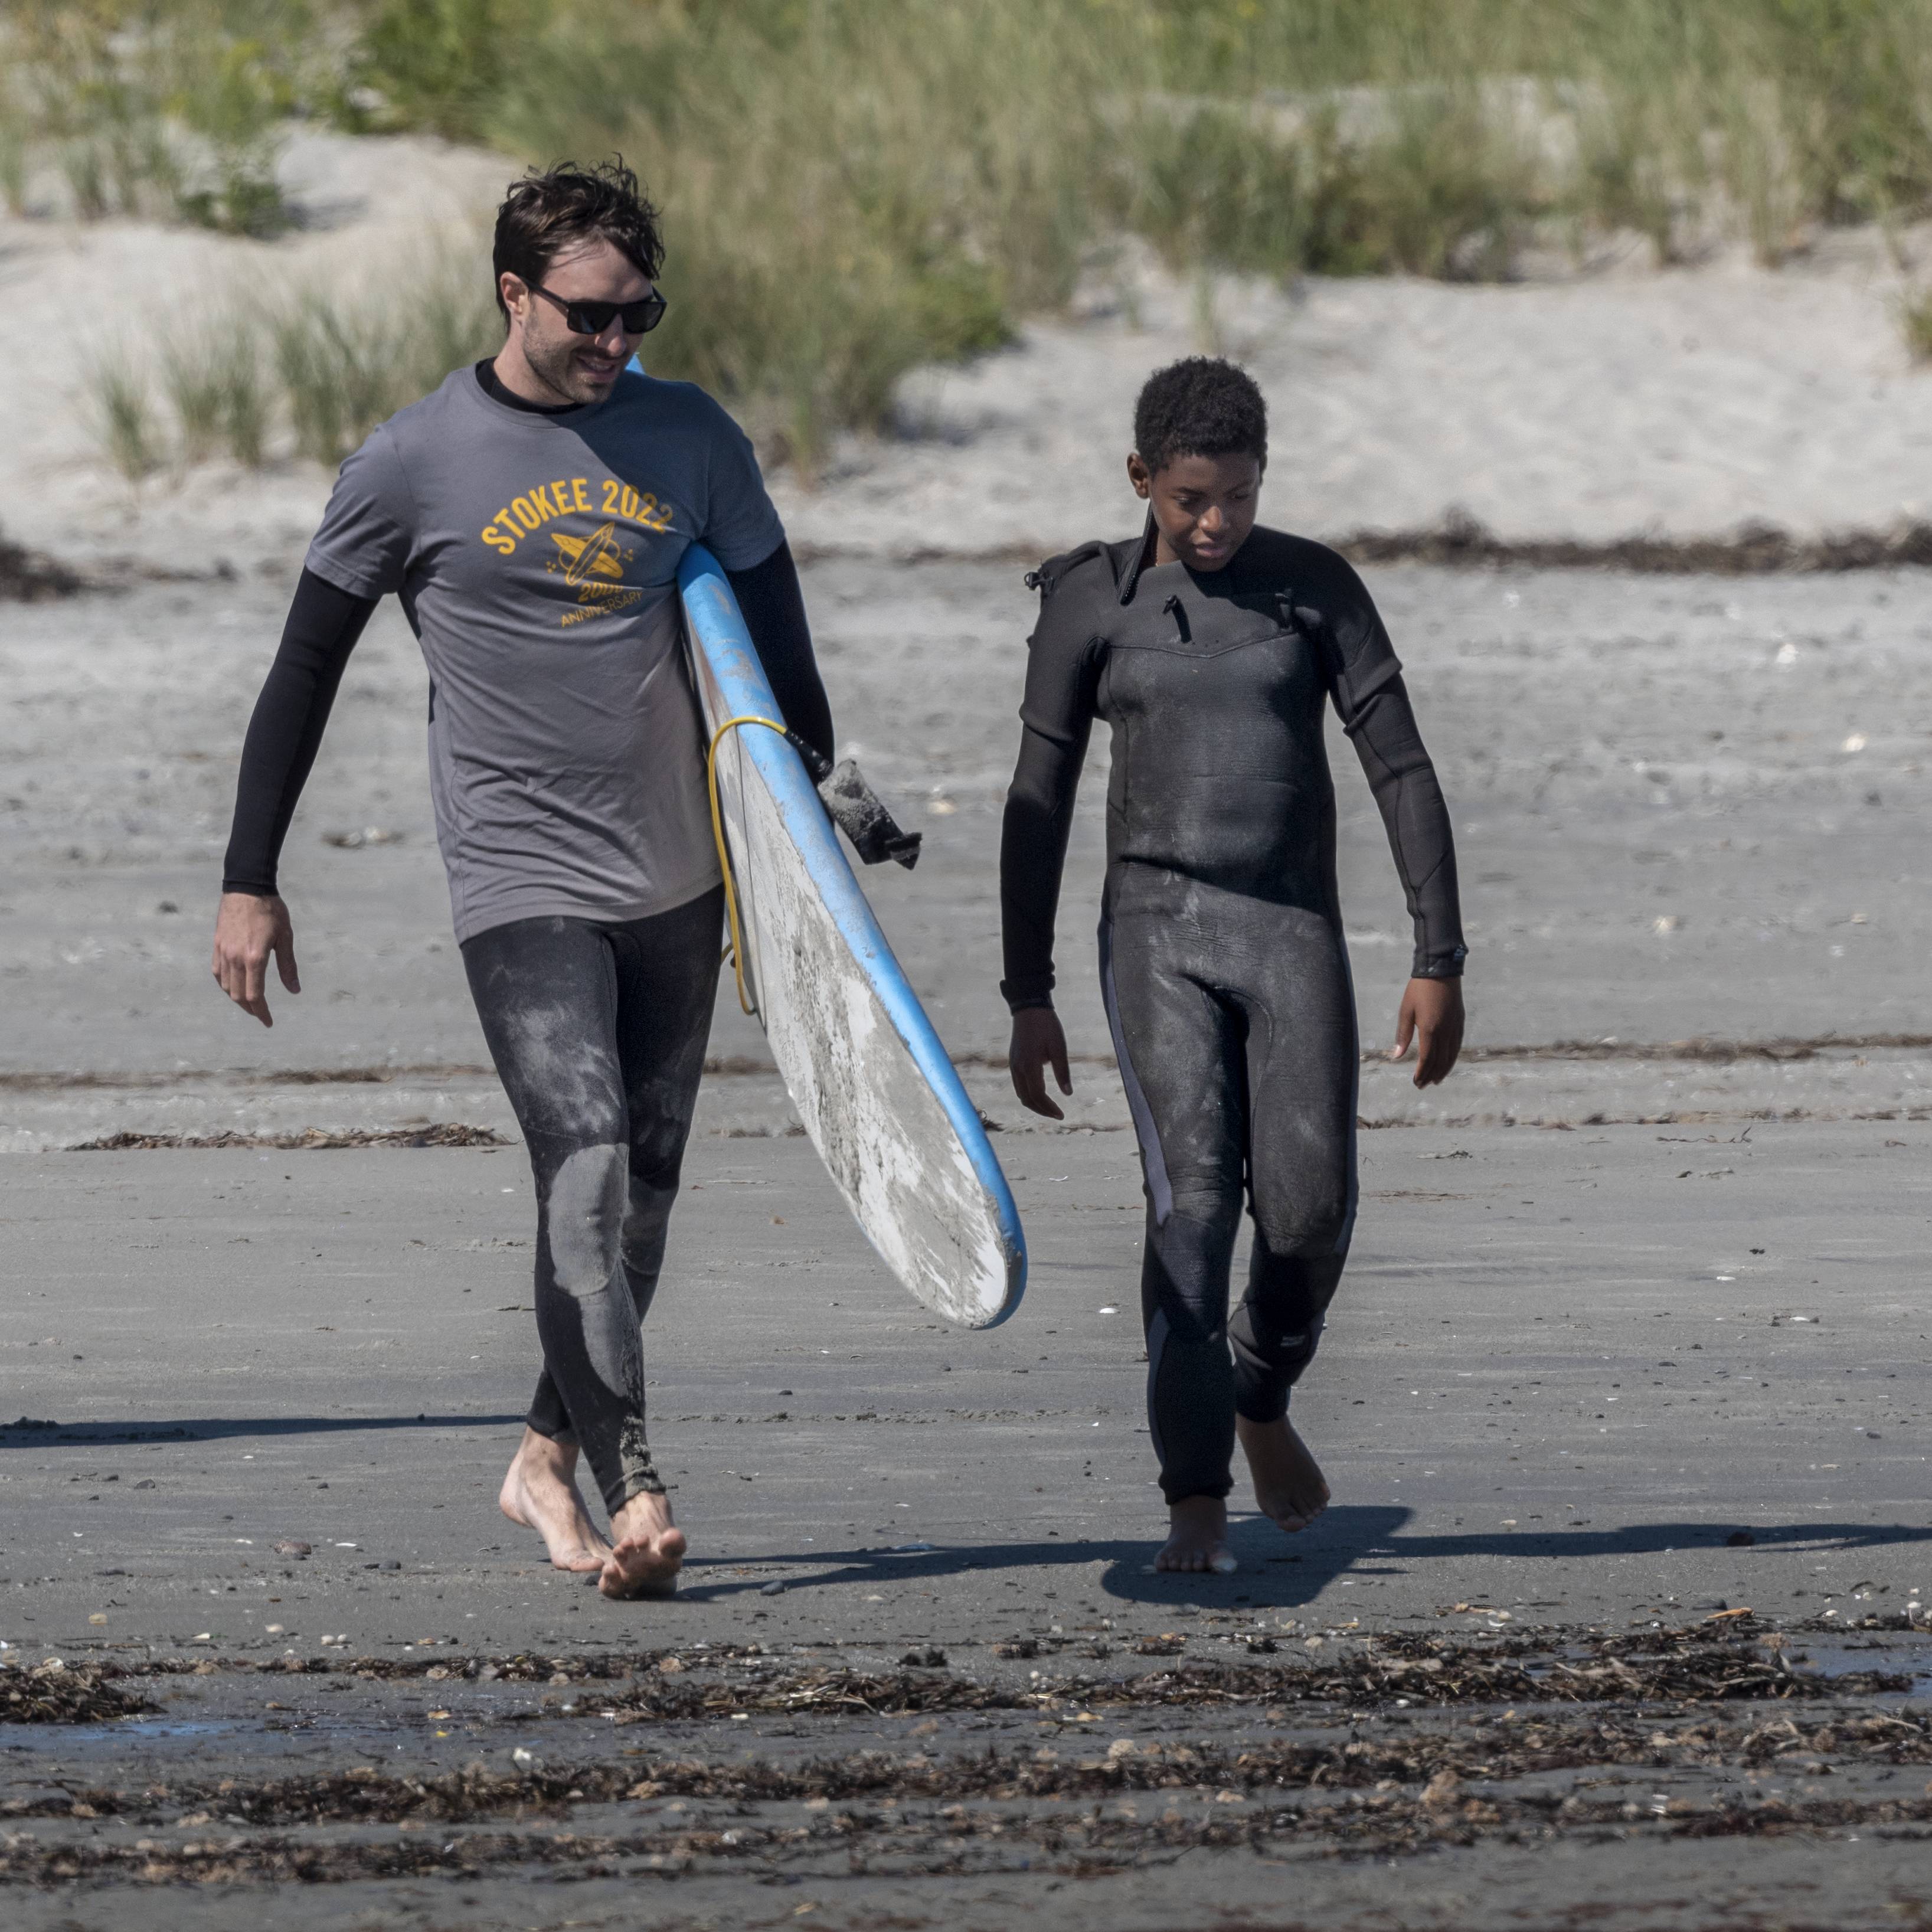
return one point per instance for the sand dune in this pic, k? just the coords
(1587, 404)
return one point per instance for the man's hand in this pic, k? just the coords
(1038, 1039)
(1432, 1008)
(247, 930)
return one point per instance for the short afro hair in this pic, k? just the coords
(544, 214)
(1201, 406)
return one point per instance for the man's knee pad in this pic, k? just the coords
(584, 1219)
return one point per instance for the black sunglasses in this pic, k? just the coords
(593, 318)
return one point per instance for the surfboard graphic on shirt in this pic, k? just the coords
(597, 554)
(593, 567)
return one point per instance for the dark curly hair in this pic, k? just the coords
(1202, 407)
(544, 214)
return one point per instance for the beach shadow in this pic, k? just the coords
(1660, 1539)
(28, 1434)
(1277, 1571)
(1342, 1538)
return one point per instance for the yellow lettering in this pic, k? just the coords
(628, 504)
(559, 495)
(526, 513)
(540, 497)
(600, 600)
(497, 540)
(577, 497)
(609, 495)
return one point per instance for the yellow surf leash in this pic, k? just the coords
(736, 951)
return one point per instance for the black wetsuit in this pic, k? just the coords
(1221, 959)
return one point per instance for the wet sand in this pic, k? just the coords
(1685, 808)
(1625, 1415)
(1678, 1301)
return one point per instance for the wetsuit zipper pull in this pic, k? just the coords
(1178, 611)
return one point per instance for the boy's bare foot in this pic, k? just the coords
(1197, 1537)
(540, 1491)
(649, 1550)
(1288, 1485)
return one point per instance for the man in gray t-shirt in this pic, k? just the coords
(531, 514)
(537, 557)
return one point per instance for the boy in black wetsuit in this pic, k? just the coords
(1210, 646)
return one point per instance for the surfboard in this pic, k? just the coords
(874, 1086)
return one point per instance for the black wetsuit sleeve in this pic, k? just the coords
(1373, 705)
(1056, 718)
(284, 734)
(773, 606)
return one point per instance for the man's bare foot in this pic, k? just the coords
(540, 1491)
(1288, 1485)
(1197, 1537)
(648, 1552)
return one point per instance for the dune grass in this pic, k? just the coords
(309, 374)
(1914, 322)
(344, 362)
(850, 189)
(159, 107)
(854, 186)
(217, 380)
(120, 395)
(16, 134)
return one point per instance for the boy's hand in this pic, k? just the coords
(1038, 1039)
(1432, 1008)
(247, 929)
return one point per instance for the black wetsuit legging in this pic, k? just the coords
(1233, 1024)
(1221, 959)
(598, 1033)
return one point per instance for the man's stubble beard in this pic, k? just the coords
(554, 363)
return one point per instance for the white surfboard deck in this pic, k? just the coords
(876, 1089)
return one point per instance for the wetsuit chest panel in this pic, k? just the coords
(1215, 700)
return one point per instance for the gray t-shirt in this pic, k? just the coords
(536, 557)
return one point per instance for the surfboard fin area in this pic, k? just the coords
(857, 809)
(874, 1086)
(863, 818)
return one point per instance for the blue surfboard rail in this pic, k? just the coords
(713, 612)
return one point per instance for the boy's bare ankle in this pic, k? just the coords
(1289, 1487)
(1197, 1537)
